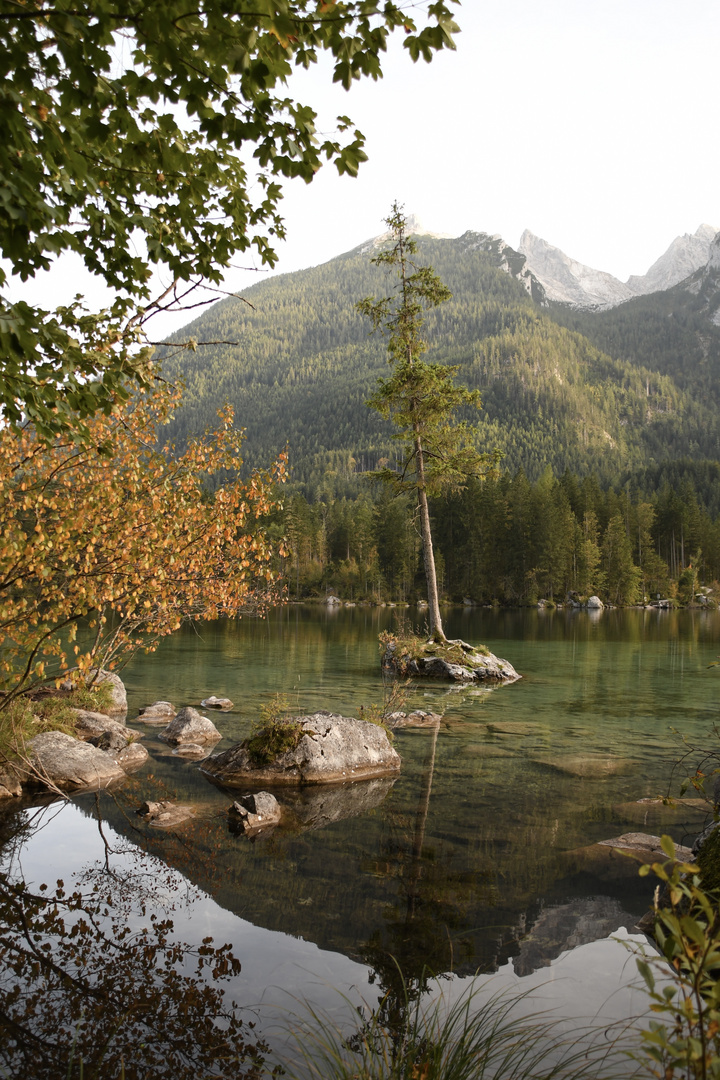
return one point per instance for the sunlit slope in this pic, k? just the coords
(301, 365)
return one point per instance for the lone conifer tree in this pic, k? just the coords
(421, 398)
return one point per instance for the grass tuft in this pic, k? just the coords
(274, 734)
(465, 1040)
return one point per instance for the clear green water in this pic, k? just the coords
(490, 865)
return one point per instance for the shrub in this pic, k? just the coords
(274, 734)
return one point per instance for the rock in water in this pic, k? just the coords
(461, 663)
(256, 811)
(331, 749)
(164, 814)
(67, 763)
(190, 726)
(93, 725)
(160, 712)
(213, 702)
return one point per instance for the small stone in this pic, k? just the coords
(160, 712)
(213, 702)
(190, 750)
(10, 781)
(132, 757)
(257, 810)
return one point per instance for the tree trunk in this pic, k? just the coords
(436, 627)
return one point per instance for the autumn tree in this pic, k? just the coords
(108, 546)
(421, 398)
(156, 136)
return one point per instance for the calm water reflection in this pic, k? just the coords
(475, 854)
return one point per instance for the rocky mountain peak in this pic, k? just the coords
(686, 254)
(568, 281)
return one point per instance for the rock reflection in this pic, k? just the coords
(316, 807)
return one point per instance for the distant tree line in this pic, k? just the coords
(509, 540)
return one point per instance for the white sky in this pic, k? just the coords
(591, 122)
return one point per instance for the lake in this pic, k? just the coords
(478, 858)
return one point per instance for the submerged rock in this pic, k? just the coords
(417, 719)
(191, 750)
(190, 726)
(647, 846)
(164, 814)
(589, 766)
(330, 749)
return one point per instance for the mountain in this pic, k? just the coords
(568, 281)
(601, 391)
(705, 284)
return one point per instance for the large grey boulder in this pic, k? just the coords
(57, 760)
(330, 750)
(190, 726)
(595, 602)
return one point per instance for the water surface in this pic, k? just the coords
(476, 856)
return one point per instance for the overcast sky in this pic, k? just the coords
(594, 124)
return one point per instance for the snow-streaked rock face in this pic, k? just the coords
(685, 255)
(569, 281)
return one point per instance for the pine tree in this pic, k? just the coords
(420, 397)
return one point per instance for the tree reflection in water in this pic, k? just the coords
(93, 982)
(428, 907)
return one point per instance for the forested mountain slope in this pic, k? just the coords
(593, 392)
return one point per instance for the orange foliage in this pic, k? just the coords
(122, 542)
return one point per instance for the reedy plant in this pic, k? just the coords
(465, 1040)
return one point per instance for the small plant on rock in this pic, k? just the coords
(274, 734)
